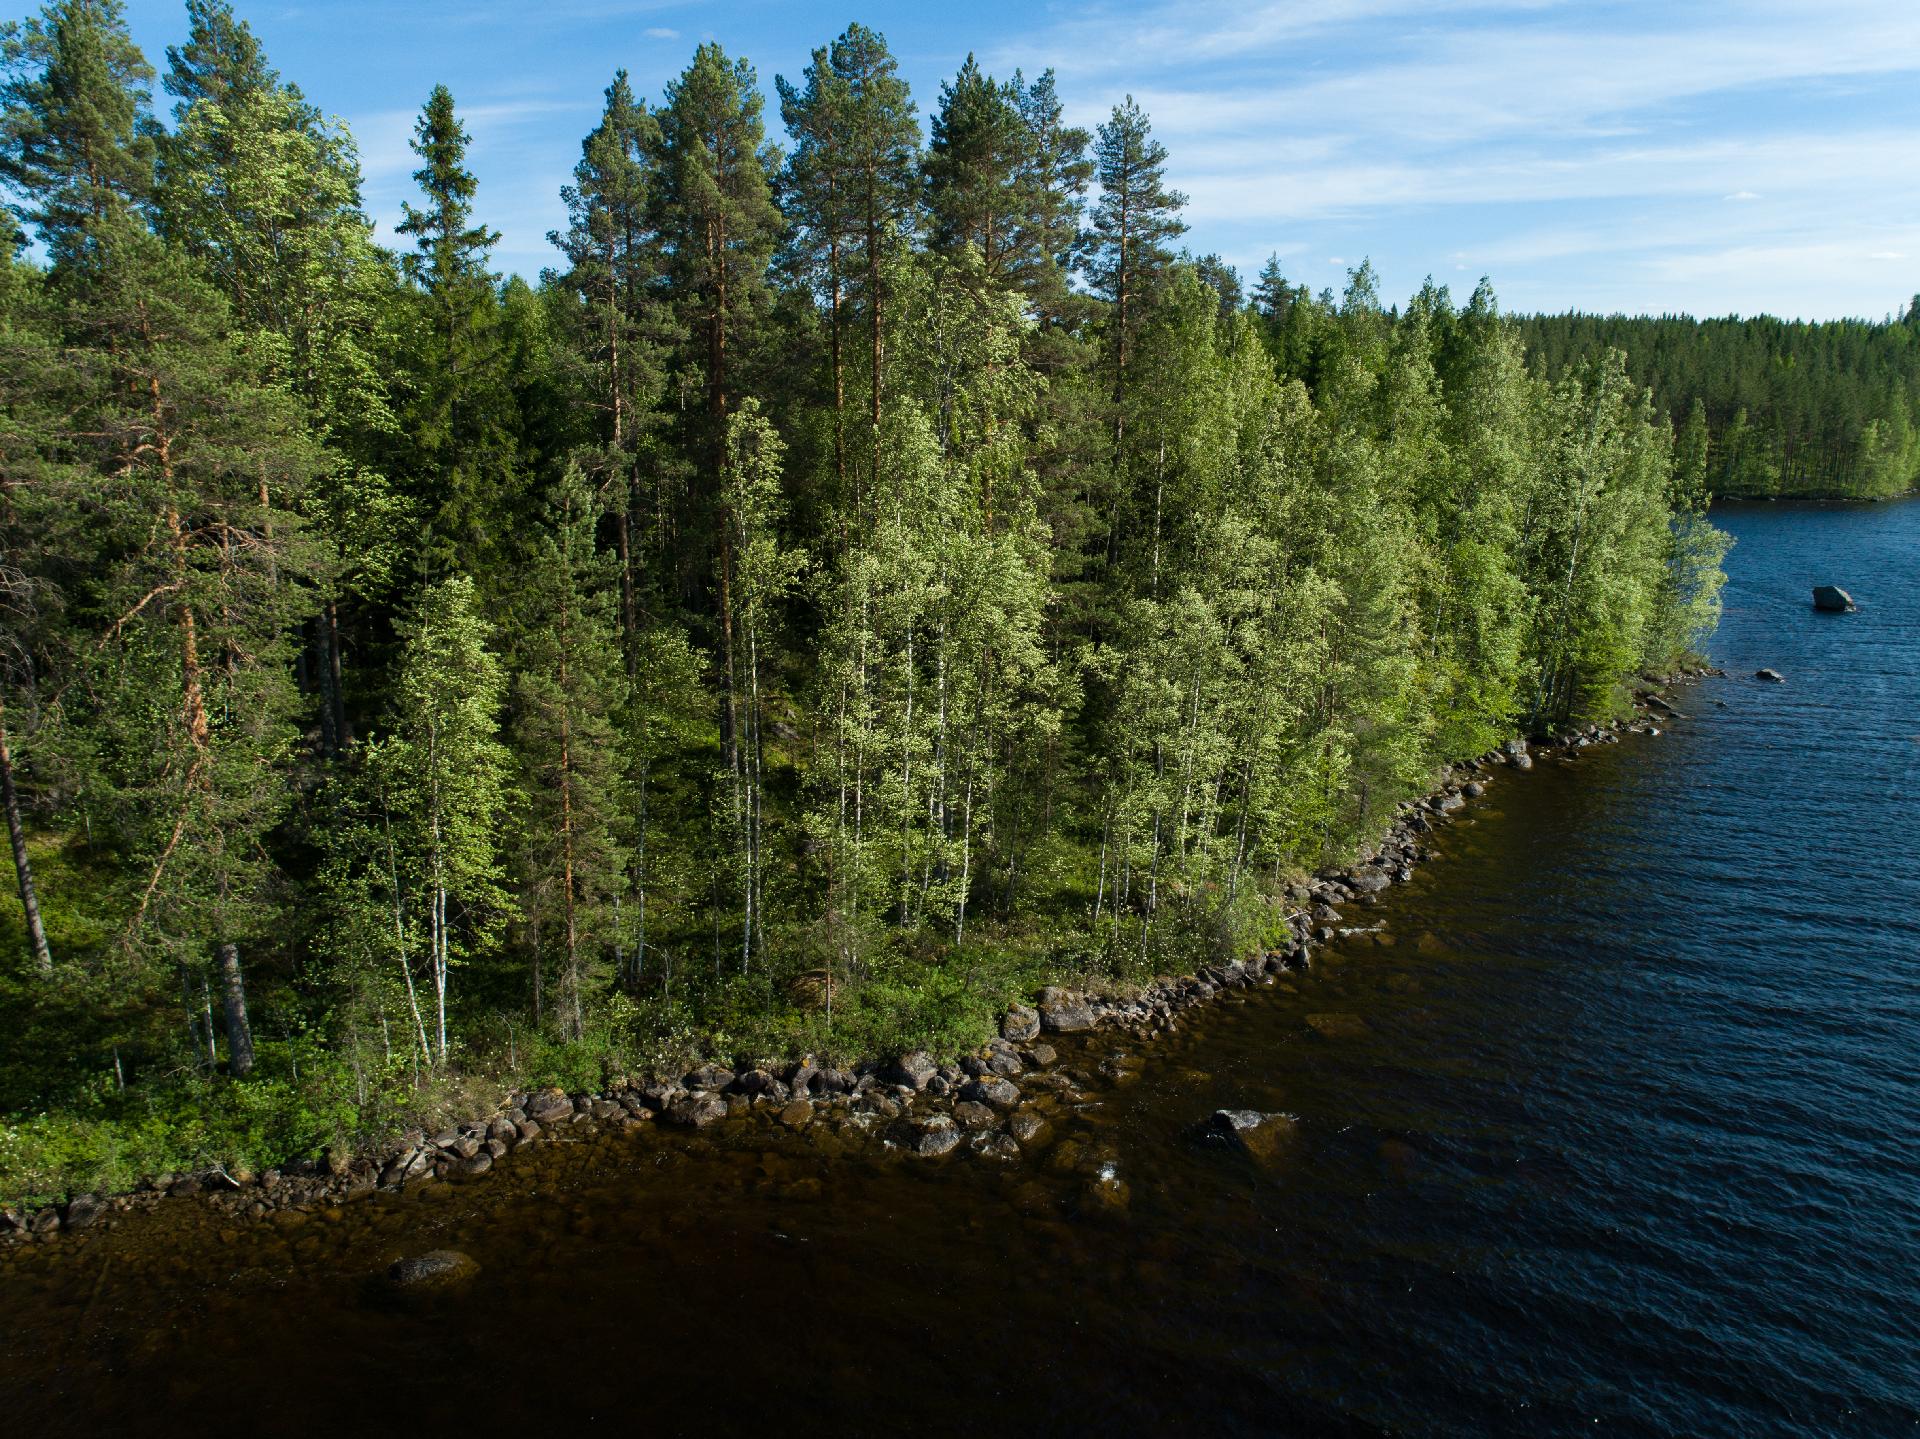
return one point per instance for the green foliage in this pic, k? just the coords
(542, 684)
(1828, 409)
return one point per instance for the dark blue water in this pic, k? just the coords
(1626, 1139)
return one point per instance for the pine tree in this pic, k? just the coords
(856, 173)
(1054, 179)
(1135, 221)
(718, 225)
(180, 470)
(265, 196)
(816, 193)
(979, 154)
(75, 143)
(569, 685)
(613, 272)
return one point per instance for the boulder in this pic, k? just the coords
(939, 1135)
(1369, 880)
(82, 1211)
(1030, 1127)
(992, 1090)
(709, 1076)
(1772, 677)
(753, 1081)
(974, 1115)
(436, 1270)
(915, 1069)
(1832, 599)
(548, 1106)
(1005, 1062)
(1019, 1023)
(1066, 1016)
(797, 1115)
(697, 1111)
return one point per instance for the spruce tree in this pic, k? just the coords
(460, 422)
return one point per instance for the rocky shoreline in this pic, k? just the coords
(994, 1104)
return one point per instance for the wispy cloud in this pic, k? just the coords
(1397, 126)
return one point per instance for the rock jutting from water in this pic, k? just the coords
(1832, 599)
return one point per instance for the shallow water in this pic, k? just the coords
(1628, 1141)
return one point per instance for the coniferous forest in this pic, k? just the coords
(875, 571)
(1829, 410)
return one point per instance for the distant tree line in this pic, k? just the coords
(861, 579)
(1786, 407)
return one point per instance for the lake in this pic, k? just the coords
(1626, 1140)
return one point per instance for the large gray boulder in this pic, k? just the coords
(1832, 599)
(1066, 1015)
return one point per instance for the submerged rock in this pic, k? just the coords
(1337, 1026)
(437, 1269)
(1249, 1131)
(1772, 677)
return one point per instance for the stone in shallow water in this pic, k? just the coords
(697, 1111)
(915, 1070)
(1337, 1026)
(993, 1090)
(973, 1115)
(548, 1106)
(437, 1269)
(936, 1137)
(797, 1115)
(1253, 1133)
(1029, 1128)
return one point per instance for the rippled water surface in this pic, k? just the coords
(1629, 1143)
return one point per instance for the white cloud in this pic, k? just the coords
(1634, 139)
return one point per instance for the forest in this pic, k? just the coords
(873, 572)
(1827, 410)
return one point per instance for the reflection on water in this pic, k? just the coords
(1623, 1129)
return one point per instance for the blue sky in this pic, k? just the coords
(1596, 154)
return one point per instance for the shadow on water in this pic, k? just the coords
(1615, 1123)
